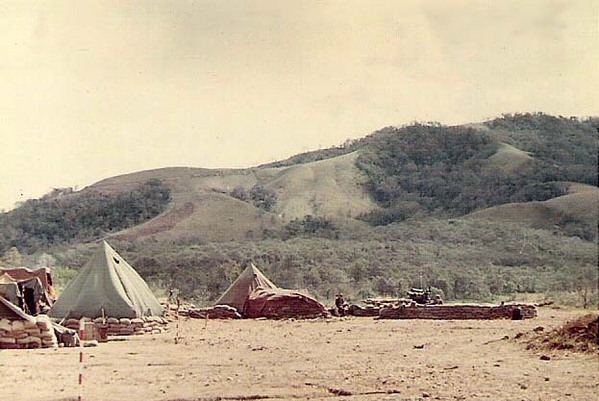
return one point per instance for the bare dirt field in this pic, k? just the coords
(341, 358)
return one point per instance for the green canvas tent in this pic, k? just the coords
(106, 284)
(238, 292)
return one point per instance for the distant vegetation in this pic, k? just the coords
(566, 147)
(316, 155)
(260, 196)
(461, 259)
(63, 216)
(432, 165)
(441, 171)
(310, 226)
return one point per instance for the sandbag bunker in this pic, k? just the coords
(107, 297)
(421, 306)
(19, 330)
(253, 295)
(461, 312)
(99, 328)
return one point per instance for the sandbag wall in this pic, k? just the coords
(35, 333)
(458, 312)
(356, 310)
(216, 312)
(125, 326)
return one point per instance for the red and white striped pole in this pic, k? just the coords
(81, 339)
(177, 321)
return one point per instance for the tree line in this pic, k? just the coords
(66, 216)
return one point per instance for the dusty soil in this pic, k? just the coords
(344, 358)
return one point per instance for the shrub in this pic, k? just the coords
(263, 198)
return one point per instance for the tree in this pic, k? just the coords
(263, 197)
(586, 285)
(240, 193)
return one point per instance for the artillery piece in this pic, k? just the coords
(423, 297)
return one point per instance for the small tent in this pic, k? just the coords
(249, 280)
(106, 285)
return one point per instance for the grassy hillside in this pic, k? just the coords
(502, 207)
(508, 159)
(397, 173)
(575, 213)
(206, 204)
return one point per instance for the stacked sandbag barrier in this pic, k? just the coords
(216, 312)
(357, 310)
(459, 312)
(35, 333)
(122, 326)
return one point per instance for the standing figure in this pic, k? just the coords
(340, 304)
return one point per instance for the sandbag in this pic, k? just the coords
(18, 325)
(5, 325)
(44, 323)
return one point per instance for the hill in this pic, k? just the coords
(574, 213)
(526, 168)
(395, 174)
(205, 204)
(477, 210)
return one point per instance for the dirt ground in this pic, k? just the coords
(341, 358)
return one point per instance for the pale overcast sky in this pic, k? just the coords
(93, 89)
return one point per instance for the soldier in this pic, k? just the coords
(340, 304)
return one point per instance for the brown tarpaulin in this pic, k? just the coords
(277, 303)
(22, 273)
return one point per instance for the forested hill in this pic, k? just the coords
(431, 169)
(457, 170)
(64, 216)
(411, 172)
(568, 142)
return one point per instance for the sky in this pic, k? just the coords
(94, 89)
